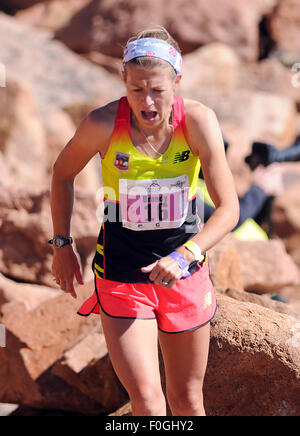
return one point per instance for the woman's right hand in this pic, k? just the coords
(64, 267)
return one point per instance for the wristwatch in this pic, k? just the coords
(195, 250)
(60, 241)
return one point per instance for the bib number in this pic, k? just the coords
(155, 203)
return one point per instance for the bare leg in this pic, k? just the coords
(185, 358)
(133, 349)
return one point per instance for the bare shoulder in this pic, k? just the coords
(104, 116)
(202, 125)
(197, 112)
(97, 127)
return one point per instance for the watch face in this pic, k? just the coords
(57, 242)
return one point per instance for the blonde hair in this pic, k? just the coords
(158, 32)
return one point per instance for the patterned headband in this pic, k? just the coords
(155, 48)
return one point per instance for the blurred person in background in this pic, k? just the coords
(266, 154)
(267, 182)
(151, 271)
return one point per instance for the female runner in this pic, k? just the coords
(151, 275)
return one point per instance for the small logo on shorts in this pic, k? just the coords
(122, 161)
(207, 300)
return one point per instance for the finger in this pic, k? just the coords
(157, 274)
(169, 278)
(163, 276)
(70, 288)
(160, 269)
(79, 277)
(172, 283)
(149, 268)
(165, 272)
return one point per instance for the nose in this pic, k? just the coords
(149, 99)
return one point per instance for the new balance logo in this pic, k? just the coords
(181, 157)
(207, 300)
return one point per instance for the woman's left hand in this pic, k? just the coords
(165, 272)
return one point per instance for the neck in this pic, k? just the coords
(156, 132)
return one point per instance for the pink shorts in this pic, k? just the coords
(190, 304)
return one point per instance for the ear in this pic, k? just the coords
(177, 81)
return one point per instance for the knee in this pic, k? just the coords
(186, 401)
(148, 401)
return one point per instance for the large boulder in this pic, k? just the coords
(254, 362)
(290, 308)
(57, 76)
(284, 25)
(215, 65)
(269, 75)
(30, 295)
(262, 267)
(265, 266)
(19, 4)
(57, 360)
(109, 24)
(286, 220)
(23, 139)
(51, 15)
(259, 116)
(25, 226)
(224, 263)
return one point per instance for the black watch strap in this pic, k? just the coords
(60, 241)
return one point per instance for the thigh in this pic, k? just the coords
(185, 358)
(133, 349)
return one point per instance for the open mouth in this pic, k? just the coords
(149, 115)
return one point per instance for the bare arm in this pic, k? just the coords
(91, 137)
(206, 141)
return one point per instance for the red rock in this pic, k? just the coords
(51, 14)
(23, 140)
(284, 24)
(109, 25)
(25, 229)
(265, 301)
(225, 270)
(215, 65)
(30, 295)
(265, 266)
(285, 218)
(258, 116)
(19, 4)
(268, 75)
(53, 65)
(254, 356)
(65, 366)
(55, 359)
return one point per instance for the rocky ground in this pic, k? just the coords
(240, 59)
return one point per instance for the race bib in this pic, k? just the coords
(155, 203)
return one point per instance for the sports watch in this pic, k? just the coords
(60, 241)
(195, 250)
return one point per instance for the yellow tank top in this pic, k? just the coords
(150, 204)
(124, 161)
